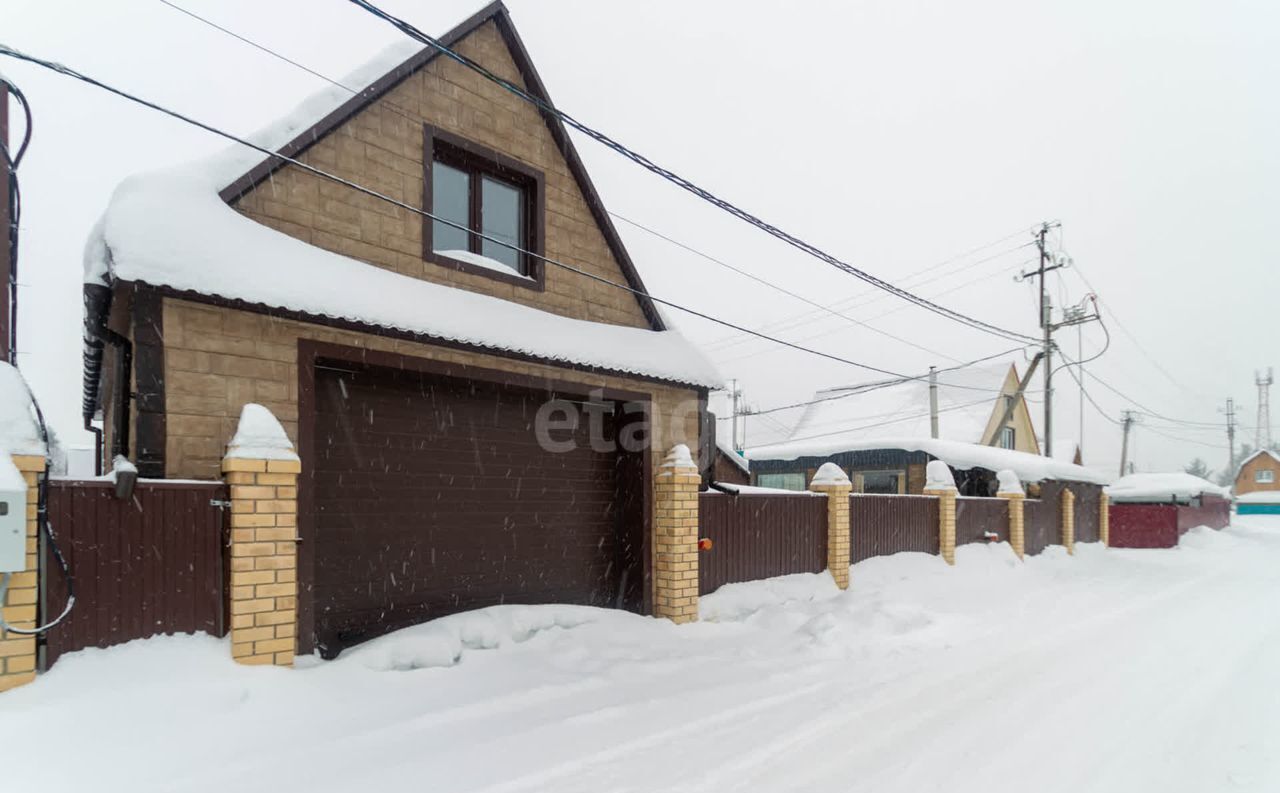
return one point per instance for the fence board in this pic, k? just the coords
(1204, 511)
(1042, 518)
(146, 566)
(1088, 524)
(760, 536)
(881, 525)
(977, 516)
(1144, 525)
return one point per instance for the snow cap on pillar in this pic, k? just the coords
(830, 474)
(679, 457)
(938, 476)
(259, 436)
(1009, 483)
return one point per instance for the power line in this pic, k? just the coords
(685, 184)
(405, 114)
(69, 72)
(896, 420)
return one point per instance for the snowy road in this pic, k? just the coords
(1111, 671)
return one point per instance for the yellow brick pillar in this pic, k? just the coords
(262, 471)
(675, 537)
(832, 482)
(1011, 489)
(18, 652)
(1069, 520)
(1104, 520)
(940, 482)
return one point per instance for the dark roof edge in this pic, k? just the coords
(533, 83)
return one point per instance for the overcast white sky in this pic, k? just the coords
(894, 134)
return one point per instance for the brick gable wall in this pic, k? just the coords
(381, 149)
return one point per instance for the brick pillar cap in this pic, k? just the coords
(679, 457)
(830, 475)
(1010, 485)
(938, 477)
(259, 436)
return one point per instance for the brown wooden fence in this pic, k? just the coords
(880, 525)
(149, 565)
(760, 536)
(1042, 518)
(1088, 516)
(977, 516)
(1208, 511)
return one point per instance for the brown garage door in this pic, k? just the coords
(432, 495)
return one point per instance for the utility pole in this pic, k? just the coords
(1046, 325)
(1262, 439)
(1231, 434)
(6, 219)
(1126, 422)
(933, 402)
(736, 394)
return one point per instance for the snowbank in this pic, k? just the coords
(733, 602)
(1260, 497)
(1163, 488)
(958, 455)
(170, 228)
(442, 642)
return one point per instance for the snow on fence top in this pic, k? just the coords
(259, 436)
(938, 476)
(830, 474)
(1009, 483)
(1163, 488)
(958, 455)
(19, 431)
(170, 228)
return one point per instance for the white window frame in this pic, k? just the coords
(792, 480)
(861, 478)
(1008, 437)
(1264, 476)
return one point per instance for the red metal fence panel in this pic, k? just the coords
(880, 525)
(1088, 516)
(1144, 525)
(152, 564)
(977, 516)
(1210, 511)
(760, 536)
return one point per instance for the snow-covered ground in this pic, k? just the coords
(1116, 670)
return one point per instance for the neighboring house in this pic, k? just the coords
(409, 361)
(841, 421)
(1259, 472)
(731, 467)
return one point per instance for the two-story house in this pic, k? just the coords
(455, 339)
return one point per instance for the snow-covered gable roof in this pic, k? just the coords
(172, 228)
(958, 455)
(1163, 488)
(1274, 457)
(737, 459)
(967, 400)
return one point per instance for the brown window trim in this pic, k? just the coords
(486, 160)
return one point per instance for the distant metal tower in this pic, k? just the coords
(1263, 438)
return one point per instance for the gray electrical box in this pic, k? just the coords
(13, 527)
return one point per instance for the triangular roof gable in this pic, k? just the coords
(1248, 459)
(497, 12)
(1009, 386)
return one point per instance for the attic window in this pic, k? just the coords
(1264, 477)
(489, 210)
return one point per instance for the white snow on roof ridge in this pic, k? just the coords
(1163, 487)
(170, 228)
(1246, 460)
(957, 454)
(734, 457)
(19, 430)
